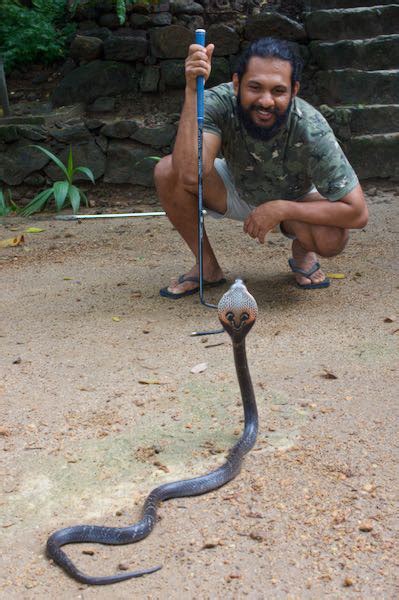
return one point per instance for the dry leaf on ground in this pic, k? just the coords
(199, 368)
(18, 240)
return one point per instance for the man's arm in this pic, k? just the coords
(185, 151)
(350, 212)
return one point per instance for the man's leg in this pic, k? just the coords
(311, 240)
(180, 203)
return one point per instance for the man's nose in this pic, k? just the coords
(266, 100)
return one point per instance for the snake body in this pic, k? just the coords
(237, 312)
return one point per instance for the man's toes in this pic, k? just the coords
(318, 277)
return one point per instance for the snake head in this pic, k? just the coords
(237, 310)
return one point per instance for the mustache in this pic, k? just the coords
(271, 111)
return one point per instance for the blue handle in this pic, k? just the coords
(200, 39)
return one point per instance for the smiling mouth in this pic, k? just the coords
(263, 115)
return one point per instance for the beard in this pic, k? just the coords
(259, 132)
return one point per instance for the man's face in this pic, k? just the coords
(264, 96)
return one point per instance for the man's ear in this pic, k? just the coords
(236, 83)
(296, 87)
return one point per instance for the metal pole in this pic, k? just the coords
(200, 40)
(111, 216)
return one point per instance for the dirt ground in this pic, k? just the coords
(99, 405)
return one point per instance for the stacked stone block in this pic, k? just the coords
(355, 52)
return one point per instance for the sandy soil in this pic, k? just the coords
(98, 406)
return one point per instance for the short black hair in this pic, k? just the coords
(268, 47)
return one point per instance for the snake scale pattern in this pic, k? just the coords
(237, 311)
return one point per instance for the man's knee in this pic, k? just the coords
(163, 171)
(330, 241)
(165, 176)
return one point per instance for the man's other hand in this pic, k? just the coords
(263, 219)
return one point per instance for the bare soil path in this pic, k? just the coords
(98, 406)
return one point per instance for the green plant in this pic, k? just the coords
(38, 34)
(7, 205)
(62, 191)
(121, 10)
(120, 6)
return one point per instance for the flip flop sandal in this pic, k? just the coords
(165, 293)
(308, 286)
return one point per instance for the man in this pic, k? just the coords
(281, 166)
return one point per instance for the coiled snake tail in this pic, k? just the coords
(237, 312)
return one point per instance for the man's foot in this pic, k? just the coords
(305, 262)
(188, 283)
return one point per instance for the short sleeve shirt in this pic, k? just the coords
(303, 153)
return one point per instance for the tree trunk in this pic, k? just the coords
(3, 91)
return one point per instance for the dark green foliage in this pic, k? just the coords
(33, 35)
(7, 205)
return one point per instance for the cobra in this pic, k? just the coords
(237, 311)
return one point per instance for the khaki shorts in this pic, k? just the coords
(237, 208)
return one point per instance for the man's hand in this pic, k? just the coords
(198, 62)
(263, 219)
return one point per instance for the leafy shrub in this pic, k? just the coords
(62, 191)
(38, 34)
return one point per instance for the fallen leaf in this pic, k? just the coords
(259, 535)
(200, 368)
(212, 543)
(161, 466)
(369, 487)
(366, 526)
(389, 319)
(30, 584)
(18, 240)
(233, 576)
(149, 382)
(329, 375)
(34, 230)
(67, 278)
(116, 319)
(336, 275)
(214, 345)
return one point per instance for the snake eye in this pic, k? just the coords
(244, 317)
(230, 316)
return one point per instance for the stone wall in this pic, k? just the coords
(141, 63)
(117, 151)
(151, 47)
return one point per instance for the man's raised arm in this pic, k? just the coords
(185, 151)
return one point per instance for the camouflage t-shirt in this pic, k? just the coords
(304, 152)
